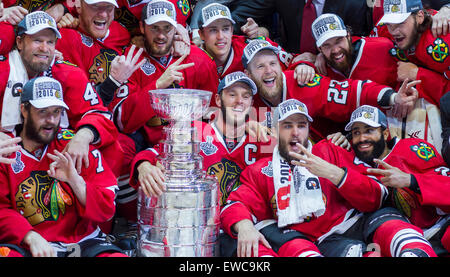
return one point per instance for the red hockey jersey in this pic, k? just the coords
(32, 200)
(132, 104)
(7, 38)
(256, 200)
(372, 61)
(420, 158)
(329, 101)
(218, 161)
(93, 56)
(85, 106)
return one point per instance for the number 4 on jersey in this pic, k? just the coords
(91, 95)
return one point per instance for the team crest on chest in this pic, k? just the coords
(208, 147)
(227, 173)
(41, 198)
(438, 50)
(423, 151)
(101, 66)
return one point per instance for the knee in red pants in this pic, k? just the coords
(395, 236)
(445, 240)
(299, 248)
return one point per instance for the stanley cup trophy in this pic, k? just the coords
(184, 220)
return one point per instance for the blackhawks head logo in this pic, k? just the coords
(40, 198)
(438, 50)
(227, 172)
(423, 151)
(101, 65)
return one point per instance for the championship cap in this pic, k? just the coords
(234, 77)
(397, 11)
(91, 2)
(212, 12)
(253, 47)
(159, 10)
(43, 92)
(35, 22)
(328, 26)
(369, 115)
(290, 107)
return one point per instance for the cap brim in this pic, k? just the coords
(90, 2)
(296, 112)
(46, 102)
(349, 125)
(211, 20)
(243, 80)
(156, 19)
(394, 18)
(338, 33)
(37, 29)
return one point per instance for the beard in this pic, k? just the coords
(35, 67)
(345, 65)
(232, 120)
(33, 133)
(367, 157)
(283, 148)
(156, 51)
(270, 93)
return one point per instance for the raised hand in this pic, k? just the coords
(392, 176)
(123, 67)
(173, 74)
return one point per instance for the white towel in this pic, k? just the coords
(304, 194)
(18, 77)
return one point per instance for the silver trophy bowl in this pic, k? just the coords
(184, 221)
(180, 104)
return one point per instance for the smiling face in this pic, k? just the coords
(158, 38)
(265, 70)
(217, 39)
(369, 142)
(37, 51)
(95, 19)
(338, 53)
(235, 103)
(292, 130)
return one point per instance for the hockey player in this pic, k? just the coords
(216, 31)
(47, 208)
(225, 146)
(370, 58)
(131, 105)
(34, 56)
(412, 168)
(96, 41)
(421, 55)
(328, 100)
(299, 196)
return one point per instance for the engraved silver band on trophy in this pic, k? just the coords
(184, 221)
